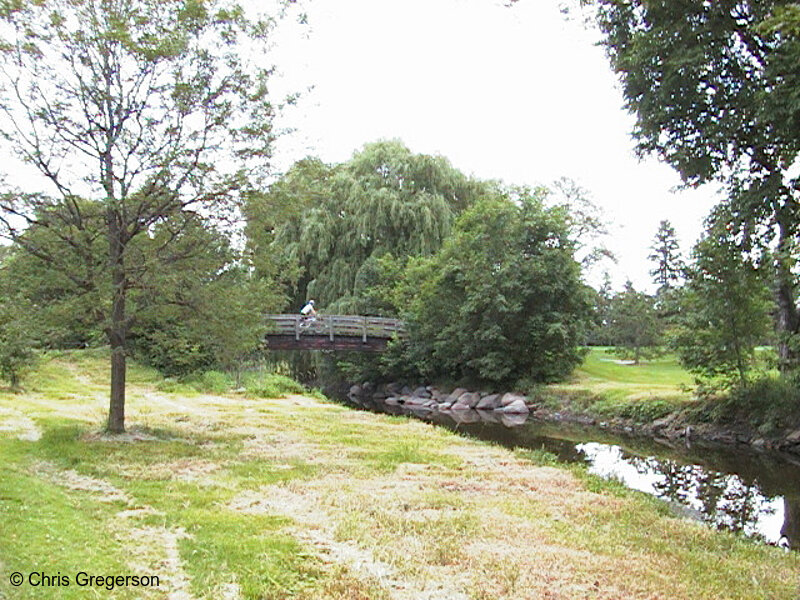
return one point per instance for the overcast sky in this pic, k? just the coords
(521, 94)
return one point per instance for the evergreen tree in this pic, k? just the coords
(666, 254)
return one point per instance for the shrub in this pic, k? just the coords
(271, 385)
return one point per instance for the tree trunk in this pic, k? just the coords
(786, 316)
(117, 328)
(791, 521)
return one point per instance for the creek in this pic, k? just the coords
(730, 488)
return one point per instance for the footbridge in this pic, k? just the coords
(332, 332)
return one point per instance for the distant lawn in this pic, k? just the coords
(602, 365)
(606, 386)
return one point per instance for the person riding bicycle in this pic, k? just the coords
(308, 311)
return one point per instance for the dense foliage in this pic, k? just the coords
(634, 326)
(196, 304)
(503, 300)
(325, 225)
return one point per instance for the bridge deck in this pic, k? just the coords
(338, 332)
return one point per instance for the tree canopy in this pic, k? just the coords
(325, 224)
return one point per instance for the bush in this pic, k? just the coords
(769, 403)
(271, 385)
(207, 382)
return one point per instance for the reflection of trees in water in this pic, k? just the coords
(724, 500)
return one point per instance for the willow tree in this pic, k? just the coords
(149, 107)
(332, 222)
(713, 86)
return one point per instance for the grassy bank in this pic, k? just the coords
(236, 496)
(605, 386)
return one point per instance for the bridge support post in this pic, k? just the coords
(330, 326)
(364, 331)
(297, 328)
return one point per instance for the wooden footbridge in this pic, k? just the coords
(332, 332)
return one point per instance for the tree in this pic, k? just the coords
(149, 108)
(634, 325)
(17, 340)
(713, 86)
(503, 299)
(600, 334)
(667, 256)
(203, 308)
(726, 307)
(328, 223)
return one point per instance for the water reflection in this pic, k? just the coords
(724, 500)
(731, 489)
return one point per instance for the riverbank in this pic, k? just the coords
(652, 399)
(232, 496)
(656, 399)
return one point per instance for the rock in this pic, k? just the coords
(794, 437)
(355, 390)
(510, 398)
(421, 392)
(445, 406)
(437, 395)
(392, 388)
(414, 401)
(517, 407)
(459, 406)
(663, 422)
(489, 402)
(454, 395)
(406, 391)
(470, 399)
(392, 401)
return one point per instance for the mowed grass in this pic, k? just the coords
(606, 386)
(239, 497)
(602, 365)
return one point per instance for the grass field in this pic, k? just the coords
(604, 385)
(231, 496)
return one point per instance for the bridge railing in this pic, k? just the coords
(335, 325)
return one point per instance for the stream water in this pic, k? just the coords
(757, 494)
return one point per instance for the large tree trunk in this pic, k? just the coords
(117, 327)
(791, 521)
(787, 319)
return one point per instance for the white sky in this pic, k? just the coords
(520, 94)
